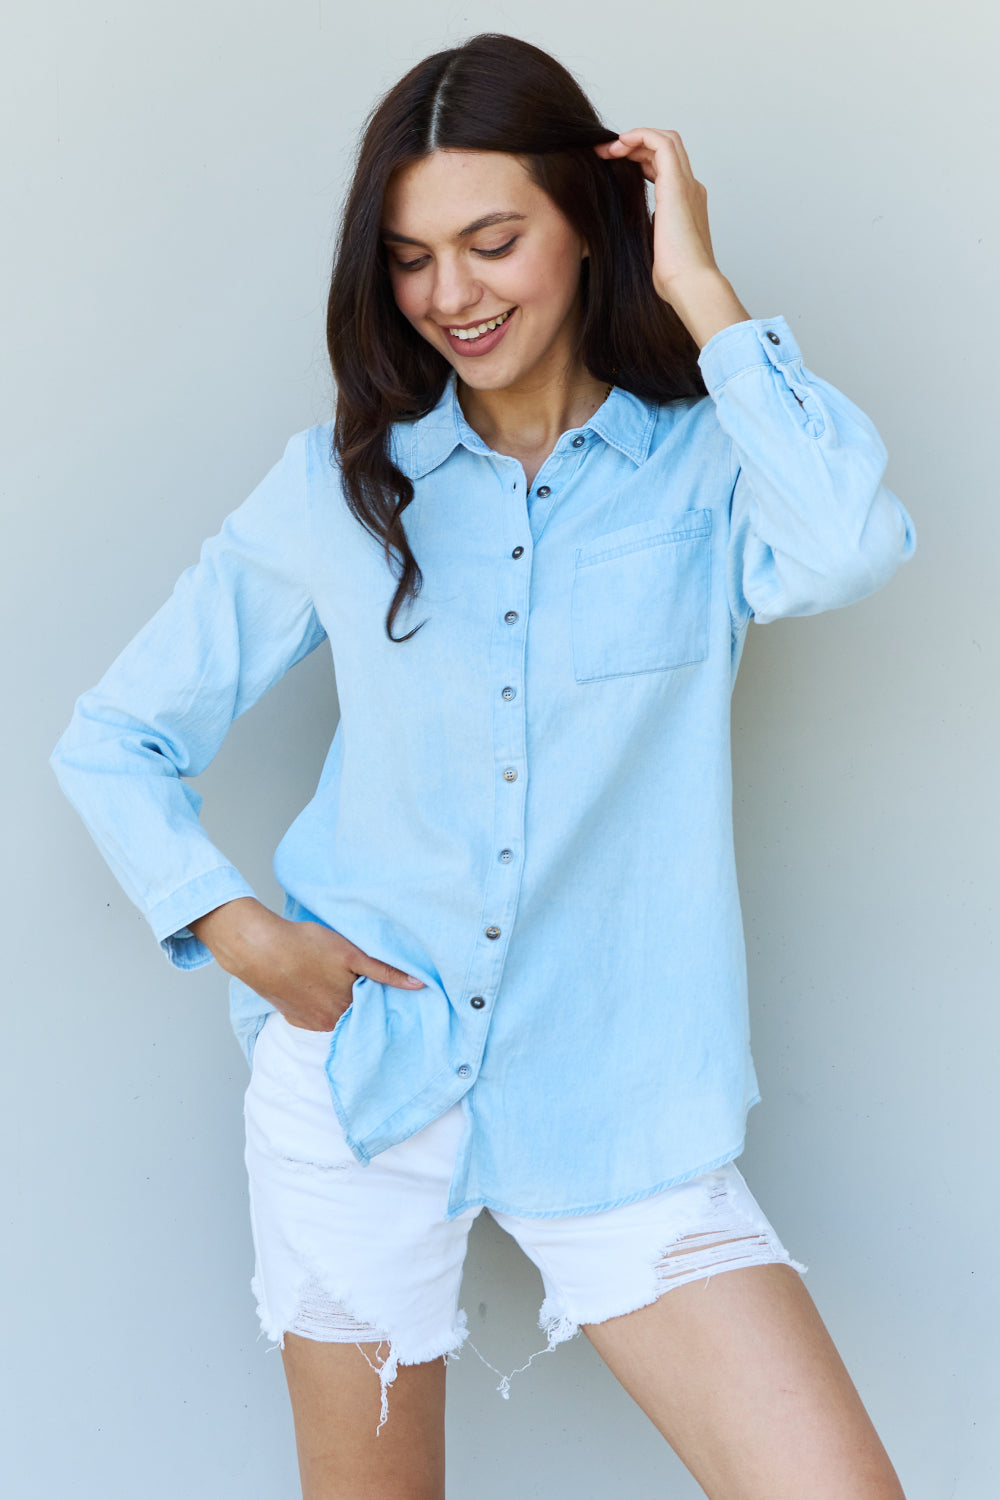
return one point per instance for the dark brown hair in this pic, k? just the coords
(493, 93)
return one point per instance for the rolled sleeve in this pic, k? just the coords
(812, 526)
(169, 918)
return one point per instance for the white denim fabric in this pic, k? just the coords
(527, 805)
(346, 1253)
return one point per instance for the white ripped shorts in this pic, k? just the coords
(347, 1253)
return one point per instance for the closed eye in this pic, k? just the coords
(501, 249)
(412, 265)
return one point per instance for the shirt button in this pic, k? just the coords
(579, 440)
(510, 774)
(477, 1001)
(510, 616)
(508, 693)
(506, 855)
(773, 337)
(543, 491)
(492, 932)
(463, 1070)
(517, 552)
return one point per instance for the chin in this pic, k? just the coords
(482, 381)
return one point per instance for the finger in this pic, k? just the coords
(639, 154)
(682, 155)
(661, 143)
(628, 141)
(645, 136)
(654, 150)
(374, 968)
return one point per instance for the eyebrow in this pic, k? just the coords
(484, 223)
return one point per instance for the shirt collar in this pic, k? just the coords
(624, 421)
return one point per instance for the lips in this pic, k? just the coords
(485, 341)
(471, 331)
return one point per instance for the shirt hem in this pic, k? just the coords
(596, 1208)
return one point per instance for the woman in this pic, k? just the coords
(510, 969)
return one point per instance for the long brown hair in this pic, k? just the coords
(493, 93)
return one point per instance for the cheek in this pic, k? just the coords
(404, 295)
(410, 294)
(552, 279)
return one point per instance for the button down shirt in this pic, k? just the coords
(528, 804)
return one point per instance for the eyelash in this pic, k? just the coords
(411, 265)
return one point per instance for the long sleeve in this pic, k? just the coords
(812, 527)
(235, 623)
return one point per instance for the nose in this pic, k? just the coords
(456, 291)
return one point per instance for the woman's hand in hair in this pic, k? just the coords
(304, 969)
(685, 272)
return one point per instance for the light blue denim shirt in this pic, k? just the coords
(527, 805)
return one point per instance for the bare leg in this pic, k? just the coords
(336, 1397)
(741, 1377)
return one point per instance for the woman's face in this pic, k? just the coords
(471, 238)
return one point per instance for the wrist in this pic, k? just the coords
(705, 302)
(234, 931)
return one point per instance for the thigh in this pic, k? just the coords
(347, 1251)
(741, 1377)
(697, 1308)
(335, 1396)
(356, 1276)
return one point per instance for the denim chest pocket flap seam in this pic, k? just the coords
(641, 597)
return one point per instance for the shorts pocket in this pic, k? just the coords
(288, 1109)
(305, 1037)
(641, 597)
(303, 1043)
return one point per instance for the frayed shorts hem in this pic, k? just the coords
(345, 1254)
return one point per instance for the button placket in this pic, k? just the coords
(510, 745)
(556, 474)
(548, 486)
(502, 881)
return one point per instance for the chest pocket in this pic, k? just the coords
(641, 598)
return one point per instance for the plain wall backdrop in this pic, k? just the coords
(173, 175)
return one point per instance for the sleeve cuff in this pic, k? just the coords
(169, 918)
(741, 346)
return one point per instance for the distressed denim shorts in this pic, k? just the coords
(347, 1253)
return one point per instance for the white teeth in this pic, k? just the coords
(474, 333)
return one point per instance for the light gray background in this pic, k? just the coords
(173, 178)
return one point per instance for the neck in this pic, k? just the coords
(532, 414)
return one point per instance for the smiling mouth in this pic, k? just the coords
(469, 335)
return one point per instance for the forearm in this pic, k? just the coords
(705, 302)
(237, 933)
